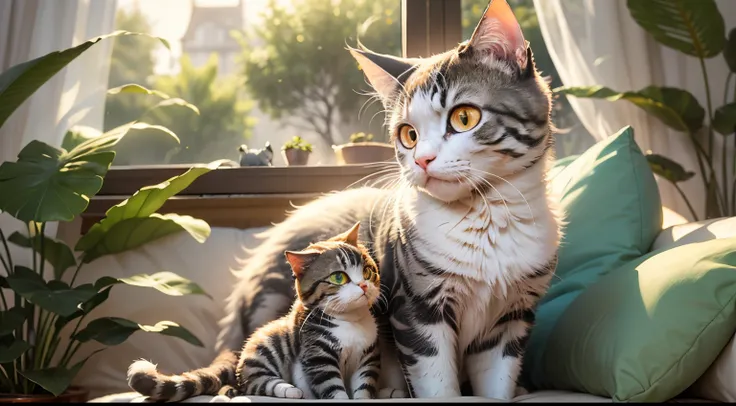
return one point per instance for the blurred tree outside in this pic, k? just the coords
(216, 133)
(574, 138)
(223, 123)
(297, 68)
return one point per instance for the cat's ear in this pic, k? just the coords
(268, 146)
(498, 34)
(243, 148)
(350, 236)
(385, 73)
(300, 260)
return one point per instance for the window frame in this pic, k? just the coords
(262, 194)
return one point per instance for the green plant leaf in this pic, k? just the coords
(46, 184)
(167, 283)
(11, 319)
(676, 108)
(668, 169)
(729, 52)
(176, 102)
(724, 120)
(49, 184)
(12, 352)
(77, 135)
(694, 27)
(112, 137)
(56, 298)
(137, 89)
(56, 380)
(58, 254)
(114, 330)
(84, 308)
(134, 222)
(20, 81)
(134, 232)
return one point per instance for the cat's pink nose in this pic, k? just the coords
(363, 286)
(423, 161)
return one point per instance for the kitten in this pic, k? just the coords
(256, 157)
(326, 347)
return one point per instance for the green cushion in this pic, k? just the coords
(613, 214)
(646, 331)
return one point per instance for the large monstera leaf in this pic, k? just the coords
(676, 108)
(694, 27)
(51, 184)
(134, 222)
(20, 81)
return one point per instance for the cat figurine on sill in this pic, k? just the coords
(256, 157)
(326, 347)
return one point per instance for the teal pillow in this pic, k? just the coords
(613, 214)
(649, 329)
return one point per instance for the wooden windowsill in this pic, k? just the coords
(232, 197)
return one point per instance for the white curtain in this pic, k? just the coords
(75, 95)
(596, 42)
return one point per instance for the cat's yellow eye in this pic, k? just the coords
(408, 136)
(338, 278)
(367, 273)
(464, 118)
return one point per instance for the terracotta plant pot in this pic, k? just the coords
(71, 395)
(363, 153)
(296, 157)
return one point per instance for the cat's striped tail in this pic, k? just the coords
(146, 380)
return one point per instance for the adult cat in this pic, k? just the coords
(467, 244)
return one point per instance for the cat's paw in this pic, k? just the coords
(341, 395)
(287, 391)
(391, 393)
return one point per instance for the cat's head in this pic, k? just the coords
(337, 275)
(463, 119)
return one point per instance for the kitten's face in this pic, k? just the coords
(337, 275)
(342, 278)
(464, 119)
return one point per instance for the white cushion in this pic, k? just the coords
(208, 264)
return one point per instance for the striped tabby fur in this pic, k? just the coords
(467, 239)
(326, 347)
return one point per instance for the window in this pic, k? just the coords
(266, 70)
(258, 70)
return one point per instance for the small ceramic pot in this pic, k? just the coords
(363, 153)
(296, 157)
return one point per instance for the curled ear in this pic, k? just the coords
(300, 260)
(385, 73)
(499, 35)
(350, 236)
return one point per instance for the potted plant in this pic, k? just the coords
(296, 152)
(362, 150)
(42, 320)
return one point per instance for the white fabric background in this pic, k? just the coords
(596, 42)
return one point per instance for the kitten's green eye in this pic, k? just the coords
(338, 278)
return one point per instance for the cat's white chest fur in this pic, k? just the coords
(355, 337)
(497, 241)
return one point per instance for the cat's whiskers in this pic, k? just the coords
(531, 212)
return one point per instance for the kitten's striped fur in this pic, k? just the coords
(466, 243)
(326, 347)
